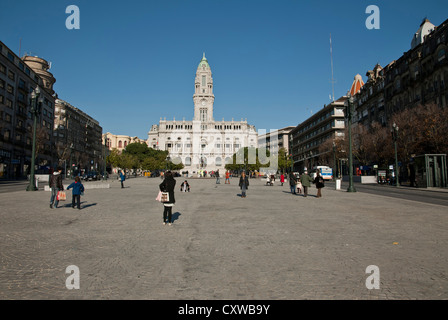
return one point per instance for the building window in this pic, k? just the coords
(120, 144)
(441, 55)
(203, 113)
(10, 56)
(2, 69)
(10, 89)
(11, 75)
(7, 135)
(203, 81)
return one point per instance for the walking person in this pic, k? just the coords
(168, 185)
(218, 181)
(55, 183)
(244, 184)
(292, 182)
(122, 178)
(319, 182)
(282, 178)
(227, 177)
(185, 187)
(306, 182)
(78, 189)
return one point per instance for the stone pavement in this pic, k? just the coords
(270, 245)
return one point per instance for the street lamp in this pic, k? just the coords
(394, 131)
(105, 155)
(167, 161)
(334, 160)
(35, 110)
(349, 103)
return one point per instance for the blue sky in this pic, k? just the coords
(132, 62)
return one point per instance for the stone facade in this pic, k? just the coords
(77, 138)
(202, 144)
(18, 78)
(305, 139)
(418, 77)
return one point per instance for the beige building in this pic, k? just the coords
(119, 141)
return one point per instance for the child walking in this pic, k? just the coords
(78, 188)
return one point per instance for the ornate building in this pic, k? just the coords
(203, 143)
(418, 77)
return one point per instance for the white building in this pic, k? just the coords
(203, 143)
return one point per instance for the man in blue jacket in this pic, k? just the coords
(122, 178)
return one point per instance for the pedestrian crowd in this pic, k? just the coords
(299, 184)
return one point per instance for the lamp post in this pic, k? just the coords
(349, 103)
(167, 161)
(394, 132)
(105, 155)
(334, 161)
(35, 106)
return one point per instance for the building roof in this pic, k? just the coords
(357, 85)
(203, 62)
(425, 28)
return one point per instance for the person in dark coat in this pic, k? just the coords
(319, 182)
(185, 187)
(78, 189)
(244, 184)
(168, 185)
(292, 182)
(55, 183)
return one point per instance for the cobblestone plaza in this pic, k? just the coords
(270, 245)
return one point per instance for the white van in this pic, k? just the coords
(325, 171)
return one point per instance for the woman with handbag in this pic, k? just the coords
(319, 181)
(167, 188)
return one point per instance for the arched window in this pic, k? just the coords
(188, 161)
(125, 144)
(218, 161)
(120, 144)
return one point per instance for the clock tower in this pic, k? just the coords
(203, 97)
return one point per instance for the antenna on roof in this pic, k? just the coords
(332, 77)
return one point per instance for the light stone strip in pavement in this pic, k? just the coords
(271, 245)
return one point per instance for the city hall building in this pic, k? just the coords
(203, 143)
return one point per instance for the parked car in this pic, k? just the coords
(91, 175)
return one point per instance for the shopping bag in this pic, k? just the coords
(159, 196)
(165, 197)
(62, 196)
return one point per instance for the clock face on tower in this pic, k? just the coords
(203, 102)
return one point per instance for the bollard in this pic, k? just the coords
(338, 184)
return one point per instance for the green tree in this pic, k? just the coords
(241, 160)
